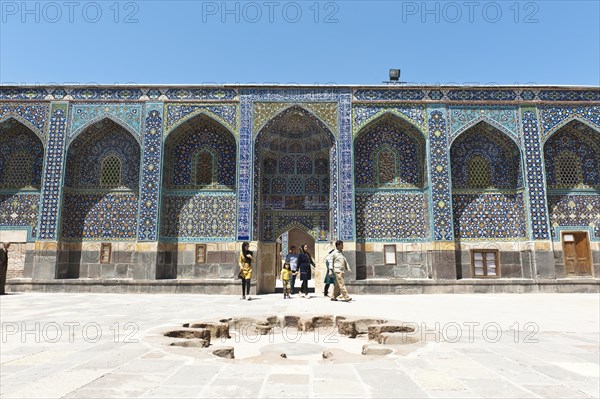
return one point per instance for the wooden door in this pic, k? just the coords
(576, 249)
(582, 247)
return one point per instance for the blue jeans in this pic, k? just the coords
(292, 282)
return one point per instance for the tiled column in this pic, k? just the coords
(543, 260)
(46, 260)
(148, 215)
(443, 264)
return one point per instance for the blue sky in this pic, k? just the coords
(303, 42)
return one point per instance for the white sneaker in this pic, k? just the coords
(249, 298)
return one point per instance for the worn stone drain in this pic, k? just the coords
(292, 337)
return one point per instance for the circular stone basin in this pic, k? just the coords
(293, 349)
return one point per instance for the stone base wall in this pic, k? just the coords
(178, 261)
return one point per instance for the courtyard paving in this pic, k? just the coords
(495, 346)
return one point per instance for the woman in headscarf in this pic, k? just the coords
(245, 263)
(305, 261)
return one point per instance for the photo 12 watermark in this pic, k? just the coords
(53, 332)
(253, 12)
(53, 12)
(453, 12)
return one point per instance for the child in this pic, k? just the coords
(286, 274)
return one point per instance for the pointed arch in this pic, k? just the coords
(39, 133)
(568, 120)
(99, 140)
(488, 121)
(183, 145)
(294, 225)
(502, 152)
(193, 117)
(404, 140)
(402, 121)
(21, 156)
(99, 120)
(289, 109)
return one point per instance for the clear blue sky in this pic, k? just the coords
(342, 42)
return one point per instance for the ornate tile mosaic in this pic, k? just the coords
(19, 210)
(403, 141)
(106, 93)
(441, 200)
(23, 93)
(277, 223)
(21, 157)
(343, 182)
(97, 216)
(391, 216)
(53, 169)
(574, 210)
(184, 143)
(151, 171)
(482, 216)
(198, 217)
(503, 118)
(365, 114)
(501, 154)
(552, 118)
(535, 175)
(208, 94)
(86, 154)
(223, 113)
(84, 115)
(34, 116)
(582, 144)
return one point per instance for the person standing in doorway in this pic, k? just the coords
(245, 263)
(340, 266)
(292, 259)
(3, 266)
(305, 262)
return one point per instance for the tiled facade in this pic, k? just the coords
(167, 168)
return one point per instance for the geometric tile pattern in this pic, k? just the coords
(314, 223)
(178, 113)
(404, 143)
(426, 94)
(21, 156)
(364, 114)
(34, 116)
(535, 175)
(342, 211)
(441, 200)
(553, 117)
(574, 210)
(483, 215)
(198, 217)
(189, 139)
(265, 112)
(97, 216)
(127, 115)
(501, 154)
(19, 210)
(151, 171)
(87, 153)
(581, 145)
(289, 148)
(53, 170)
(503, 118)
(391, 216)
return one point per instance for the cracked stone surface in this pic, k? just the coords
(470, 346)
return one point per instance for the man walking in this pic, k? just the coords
(292, 259)
(340, 266)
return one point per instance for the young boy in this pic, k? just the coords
(286, 275)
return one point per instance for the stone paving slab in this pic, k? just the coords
(491, 346)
